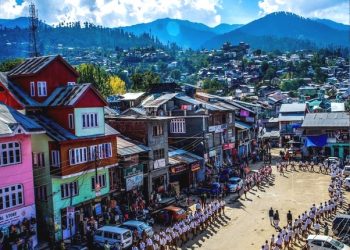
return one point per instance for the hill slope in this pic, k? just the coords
(282, 25)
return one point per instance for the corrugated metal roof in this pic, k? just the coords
(110, 131)
(337, 107)
(288, 118)
(177, 156)
(159, 101)
(293, 107)
(338, 119)
(66, 95)
(135, 111)
(205, 105)
(126, 146)
(31, 65)
(11, 118)
(132, 96)
(242, 125)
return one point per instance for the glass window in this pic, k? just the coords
(10, 153)
(69, 189)
(90, 120)
(11, 196)
(42, 91)
(177, 126)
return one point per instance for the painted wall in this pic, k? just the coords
(85, 193)
(78, 120)
(60, 115)
(20, 173)
(55, 74)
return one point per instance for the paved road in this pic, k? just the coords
(247, 226)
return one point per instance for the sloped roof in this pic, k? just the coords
(293, 107)
(205, 105)
(159, 101)
(126, 146)
(66, 95)
(289, 118)
(242, 125)
(177, 156)
(338, 119)
(33, 65)
(11, 118)
(132, 96)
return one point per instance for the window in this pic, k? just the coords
(105, 150)
(90, 120)
(158, 154)
(42, 91)
(10, 153)
(78, 155)
(11, 196)
(157, 130)
(71, 121)
(41, 193)
(32, 88)
(69, 190)
(55, 158)
(38, 160)
(177, 126)
(101, 180)
(93, 152)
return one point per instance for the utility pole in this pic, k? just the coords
(70, 212)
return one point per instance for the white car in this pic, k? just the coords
(346, 170)
(323, 242)
(332, 160)
(347, 183)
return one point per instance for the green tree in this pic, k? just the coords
(211, 85)
(175, 74)
(292, 85)
(10, 64)
(97, 76)
(144, 81)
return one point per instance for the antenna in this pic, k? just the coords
(33, 27)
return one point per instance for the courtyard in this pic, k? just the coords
(247, 226)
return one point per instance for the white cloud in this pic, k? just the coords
(337, 10)
(112, 13)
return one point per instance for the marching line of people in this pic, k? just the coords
(299, 229)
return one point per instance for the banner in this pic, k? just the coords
(134, 182)
(16, 216)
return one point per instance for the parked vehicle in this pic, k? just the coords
(346, 170)
(323, 242)
(211, 189)
(332, 160)
(116, 236)
(341, 224)
(140, 226)
(234, 184)
(173, 213)
(347, 183)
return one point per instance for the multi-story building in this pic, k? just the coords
(328, 132)
(74, 160)
(17, 204)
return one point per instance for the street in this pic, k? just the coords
(247, 225)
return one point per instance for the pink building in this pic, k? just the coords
(17, 202)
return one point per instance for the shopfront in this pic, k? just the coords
(20, 228)
(228, 156)
(179, 176)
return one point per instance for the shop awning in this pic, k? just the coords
(242, 125)
(316, 141)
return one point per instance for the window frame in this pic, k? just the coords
(42, 88)
(87, 123)
(158, 154)
(71, 121)
(65, 187)
(14, 149)
(38, 159)
(18, 189)
(102, 180)
(79, 156)
(41, 193)
(55, 158)
(178, 126)
(32, 88)
(158, 130)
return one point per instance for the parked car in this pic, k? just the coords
(174, 214)
(332, 160)
(346, 170)
(324, 242)
(140, 226)
(341, 224)
(234, 184)
(211, 189)
(347, 183)
(116, 236)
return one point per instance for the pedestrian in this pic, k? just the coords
(271, 216)
(106, 246)
(317, 227)
(245, 191)
(326, 229)
(276, 219)
(272, 242)
(289, 218)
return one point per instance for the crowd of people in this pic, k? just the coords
(297, 230)
(182, 231)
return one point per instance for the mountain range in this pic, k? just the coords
(276, 31)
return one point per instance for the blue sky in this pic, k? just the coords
(114, 13)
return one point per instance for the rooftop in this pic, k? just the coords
(126, 146)
(338, 119)
(293, 107)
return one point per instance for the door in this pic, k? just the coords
(68, 222)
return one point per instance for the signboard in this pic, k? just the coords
(17, 216)
(195, 166)
(249, 119)
(227, 146)
(212, 153)
(159, 163)
(135, 170)
(134, 182)
(98, 209)
(218, 128)
(178, 169)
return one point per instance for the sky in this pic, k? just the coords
(115, 13)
